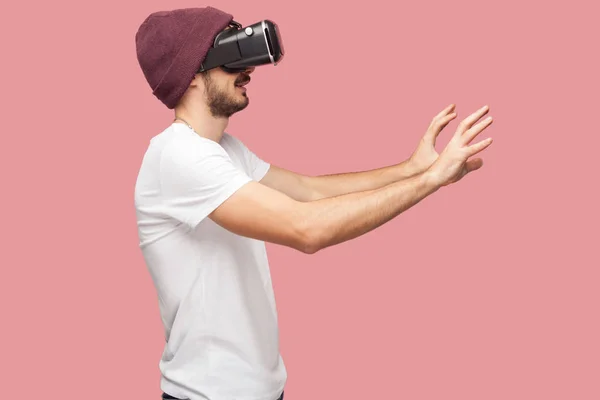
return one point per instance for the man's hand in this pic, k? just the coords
(453, 163)
(425, 154)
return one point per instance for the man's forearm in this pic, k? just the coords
(330, 221)
(324, 186)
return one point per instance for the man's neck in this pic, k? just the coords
(202, 121)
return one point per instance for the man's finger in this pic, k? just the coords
(471, 119)
(446, 111)
(441, 123)
(442, 114)
(473, 164)
(479, 146)
(471, 133)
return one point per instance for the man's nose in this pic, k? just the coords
(250, 70)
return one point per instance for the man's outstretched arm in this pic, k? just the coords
(263, 213)
(309, 188)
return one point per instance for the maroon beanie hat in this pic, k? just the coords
(171, 46)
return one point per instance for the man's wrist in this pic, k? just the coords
(417, 167)
(407, 168)
(430, 180)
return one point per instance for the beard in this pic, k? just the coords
(222, 103)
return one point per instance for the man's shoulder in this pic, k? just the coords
(233, 142)
(230, 139)
(177, 143)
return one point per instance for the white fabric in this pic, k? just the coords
(214, 288)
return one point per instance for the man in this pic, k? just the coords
(206, 205)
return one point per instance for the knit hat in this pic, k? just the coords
(171, 46)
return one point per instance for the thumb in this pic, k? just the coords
(473, 164)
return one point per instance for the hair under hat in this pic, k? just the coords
(171, 46)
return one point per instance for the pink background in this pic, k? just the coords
(486, 290)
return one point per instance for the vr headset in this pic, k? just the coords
(237, 48)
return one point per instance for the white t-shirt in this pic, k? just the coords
(214, 287)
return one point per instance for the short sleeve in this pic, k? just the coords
(257, 167)
(196, 178)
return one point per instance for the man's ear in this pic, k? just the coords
(199, 79)
(196, 80)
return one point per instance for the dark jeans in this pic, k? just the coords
(169, 397)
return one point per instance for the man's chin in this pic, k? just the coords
(243, 99)
(244, 104)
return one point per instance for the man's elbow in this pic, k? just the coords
(310, 238)
(310, 246)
